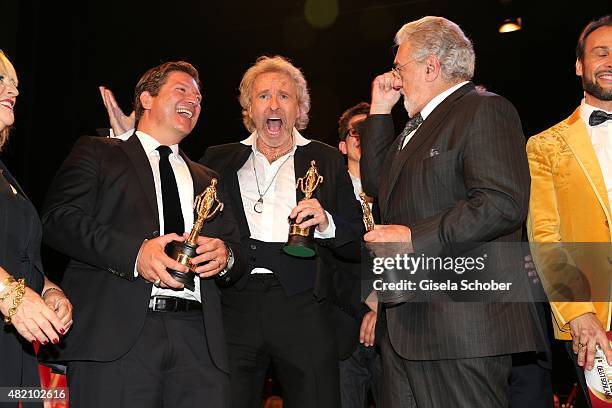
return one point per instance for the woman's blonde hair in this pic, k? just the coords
(5, 67)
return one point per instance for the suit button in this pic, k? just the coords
(253, 246)
(155, 233)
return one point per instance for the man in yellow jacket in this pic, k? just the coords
(571, 192)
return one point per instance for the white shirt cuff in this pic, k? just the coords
(330, 231)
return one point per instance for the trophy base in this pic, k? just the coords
(182, 253)
(300, 245)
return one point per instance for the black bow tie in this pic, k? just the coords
(598, 117)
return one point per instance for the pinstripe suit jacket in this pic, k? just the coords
(462, 178)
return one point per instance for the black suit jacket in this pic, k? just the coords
(335, 195)
(99, 209)
(346, 292)
(462, 179)
(20, 236)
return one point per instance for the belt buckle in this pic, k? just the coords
(154, 307)
(155, 303)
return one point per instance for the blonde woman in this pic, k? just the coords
(32, 309)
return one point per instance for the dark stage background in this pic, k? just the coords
(62, 53)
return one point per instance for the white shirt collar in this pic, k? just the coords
(586, 110)
(431, 105)
(150, 144)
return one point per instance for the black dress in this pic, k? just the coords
(20, 238)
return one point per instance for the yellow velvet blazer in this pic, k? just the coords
(568, 203)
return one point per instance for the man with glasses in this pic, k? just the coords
(349, 143)
(360, 366)
(456, 174)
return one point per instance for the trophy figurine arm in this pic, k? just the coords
(218, 208)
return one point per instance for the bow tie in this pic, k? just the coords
(598, 117)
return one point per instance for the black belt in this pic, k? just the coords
(172, 304)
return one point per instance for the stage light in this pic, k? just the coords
(510, 24)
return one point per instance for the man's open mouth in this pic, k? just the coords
(274, 125)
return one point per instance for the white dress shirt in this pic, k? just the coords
(431, 105)
(601, 138)
(184, 183)
(278, 178)
(358, 189)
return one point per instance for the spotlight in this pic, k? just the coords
(510, 24)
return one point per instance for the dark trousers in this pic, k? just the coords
(292, 333)
(168, 366)
(358, 374)
(461, 383)
(530, 383)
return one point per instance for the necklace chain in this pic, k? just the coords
(274, 156)
(261, 195)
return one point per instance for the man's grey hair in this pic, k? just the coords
(275, 64)
(443, 39)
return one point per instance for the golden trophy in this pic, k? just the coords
(206, 206)
(368, 218)
(301, 240)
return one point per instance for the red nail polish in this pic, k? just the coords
(62, 331)
(44, 343)
(55, 341)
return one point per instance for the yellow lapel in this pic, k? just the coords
(579, 142)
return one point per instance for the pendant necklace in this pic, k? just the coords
(258, 207)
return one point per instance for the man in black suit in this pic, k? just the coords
(276, 314)
(140, 339)
(457, 174)
(360, 367)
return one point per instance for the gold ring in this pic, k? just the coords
(580, 345)
(157, 282)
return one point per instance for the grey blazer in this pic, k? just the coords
(462, 179)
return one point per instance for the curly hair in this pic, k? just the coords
(444, 39)
(276, 64)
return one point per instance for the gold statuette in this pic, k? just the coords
(368, 218)
(206, 206)
(301, 242)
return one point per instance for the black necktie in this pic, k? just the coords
(412, 124)
(598, 117)
(173, 216)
